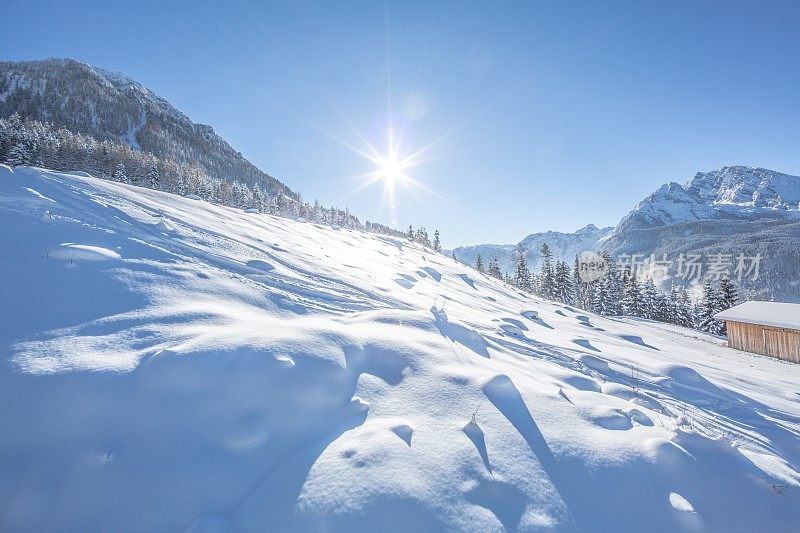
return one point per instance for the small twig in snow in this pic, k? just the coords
(474, 415)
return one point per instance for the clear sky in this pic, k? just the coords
(536, 115)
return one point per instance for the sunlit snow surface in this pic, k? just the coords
(169, 364)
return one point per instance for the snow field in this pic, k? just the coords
(169, 364)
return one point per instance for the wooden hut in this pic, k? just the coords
(768, 328)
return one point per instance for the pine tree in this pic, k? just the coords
(684, 313)
(547, 285)
(728, 294)
(494, 268)
(631, 295)
(650, 300)
(563, 289)
(522, 276)
(19, 155)
(709, 306)
(119, 174)
(437, 245)
(153, 177)
(670, 302)
(479, 263)
(608, 290)
(205, 190)
(410, 233)
(584, 290)
(579, 286)
(727, 297)
(610, 297)
(183, 189)
(422, 237)
(597, 296)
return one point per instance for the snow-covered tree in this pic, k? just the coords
(563, 289)
(153, 177)
(19, 155)
(494, 269)
(422, 237)
(728, 294)
(522, 276)
(727, 297)
(119, 174)
(584, 290)
(632, 304)
(608, 293)
(651, 300)
(479, 263)
(224, 195)
(546, 283)
(708, 307)
(437, 245)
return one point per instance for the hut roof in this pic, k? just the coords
(776, 314)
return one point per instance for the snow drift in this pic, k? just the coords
(173, 365)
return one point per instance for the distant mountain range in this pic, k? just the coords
(564, 246)
(725, 215)
(111, 106)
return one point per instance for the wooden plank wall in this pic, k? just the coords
(782, 343)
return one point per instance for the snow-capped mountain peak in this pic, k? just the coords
(735, 192)
(746, 187)
(588, 228)
(669, 204)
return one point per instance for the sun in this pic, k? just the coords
(391, 170)
(390, 166)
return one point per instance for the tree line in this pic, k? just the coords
(421, 236)
(618, 292)
(25, 142)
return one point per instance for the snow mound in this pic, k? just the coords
(204, 369)
(82, 252)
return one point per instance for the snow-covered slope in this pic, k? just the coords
(169, 365)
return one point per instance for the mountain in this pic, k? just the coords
(169, 364)
(565, 246)
(726, 214)
(670, 204)
(109, 105)
(723, 215)
(729, 194)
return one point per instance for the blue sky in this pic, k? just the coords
(542, 115)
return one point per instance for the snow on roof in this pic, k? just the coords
(777, 314)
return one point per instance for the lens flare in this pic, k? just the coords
(391, 170)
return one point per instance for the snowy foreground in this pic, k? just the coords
(168, 364)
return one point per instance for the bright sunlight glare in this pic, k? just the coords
(391, 170)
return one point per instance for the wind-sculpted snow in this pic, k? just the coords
(171, 365)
